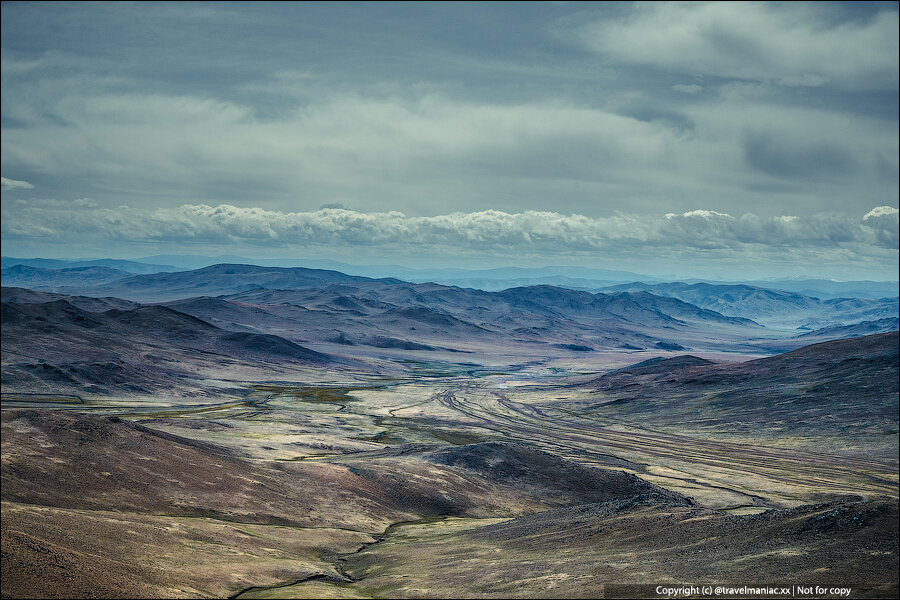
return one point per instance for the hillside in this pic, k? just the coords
(58, 347)
(837, 388)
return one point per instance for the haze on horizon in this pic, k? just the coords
(716, 140)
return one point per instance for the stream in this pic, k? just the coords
(338, 561)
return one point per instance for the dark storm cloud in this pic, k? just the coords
(782, 156)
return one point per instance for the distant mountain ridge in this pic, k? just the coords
(90, 304)
(771, 307)
(128, 266)
(60, 279)
(59, 342)
(732, 300)
(857, 329)
(493, 279)
(321, 306)
(217, 280)
(325, 306)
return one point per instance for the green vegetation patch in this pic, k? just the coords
(326, 395)
(385, 437)
(54, 398)
(459, 438)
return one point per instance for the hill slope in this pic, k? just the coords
(58, 347)
(845, 388)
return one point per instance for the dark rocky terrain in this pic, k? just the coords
(87, 303)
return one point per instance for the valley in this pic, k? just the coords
(349, 437)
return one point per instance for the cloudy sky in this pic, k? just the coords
(697, 139)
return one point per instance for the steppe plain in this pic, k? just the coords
(242, 447)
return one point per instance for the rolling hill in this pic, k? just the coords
(843, 388)
(317, 306)
(58, 347)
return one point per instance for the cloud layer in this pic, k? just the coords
(490, 231)
(420, 155)
(517, 131)
(590, 109)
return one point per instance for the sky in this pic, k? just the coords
(706, 140)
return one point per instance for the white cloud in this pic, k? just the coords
(881, 211)
(12, 184)
(794, 43)
(489, 231)
(884, 224)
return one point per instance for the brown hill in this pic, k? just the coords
(58, 347)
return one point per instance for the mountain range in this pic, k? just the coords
(322, 306)
(494, 279)
(774, 308)
(127, 266)
(326, 306)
